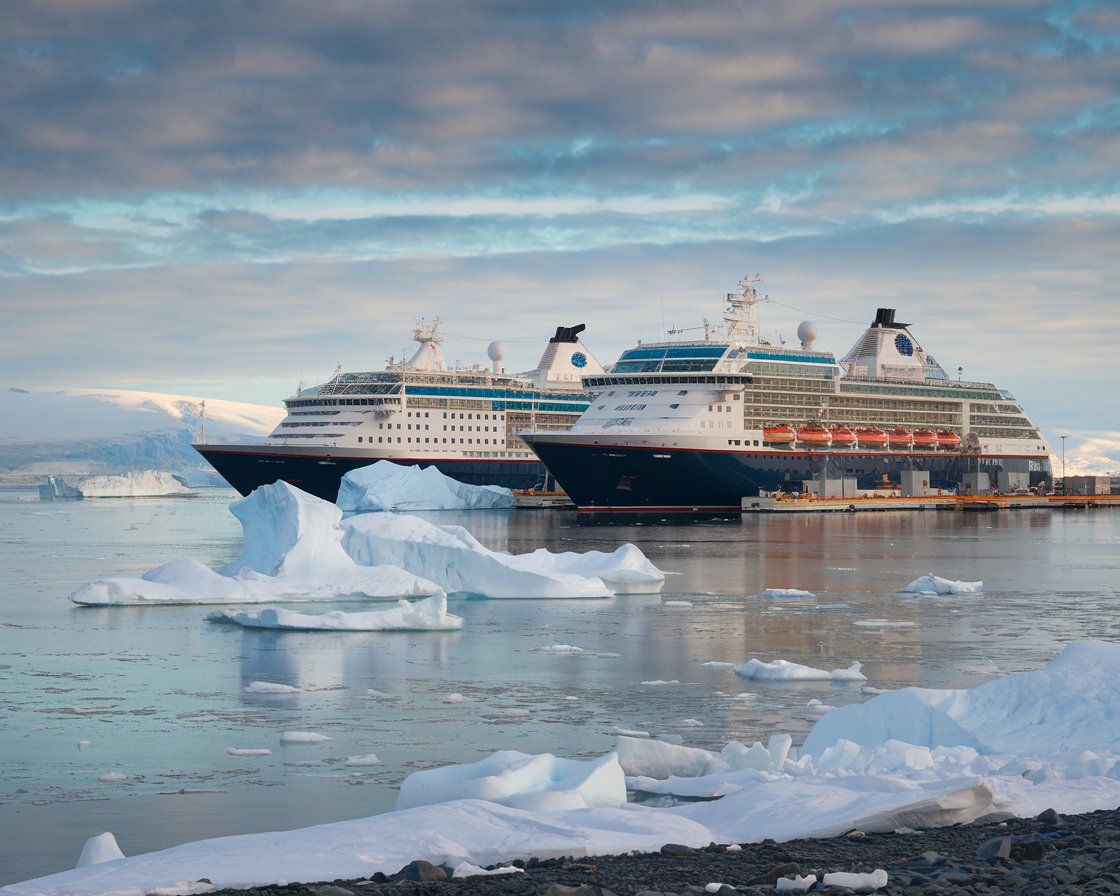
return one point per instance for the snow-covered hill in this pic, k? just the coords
(87, 432)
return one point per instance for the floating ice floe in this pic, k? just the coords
(428, 614)
(913, 759)
(386, 486)
(784, 670)
(292, 551)
(932, 584)
(788, 593)
(456, 561)
(269, 687)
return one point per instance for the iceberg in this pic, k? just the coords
(389, 486)
(145, 484)
(456, 561)
(784, 670)
(429, 614)
(292, 551)
(1042, 739)
(931, 584)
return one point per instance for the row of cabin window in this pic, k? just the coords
(382, 439)
(462, 416)
(452, 428)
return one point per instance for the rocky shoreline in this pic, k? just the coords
(1050, 854)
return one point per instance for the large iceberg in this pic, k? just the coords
(292, 551)
(389, 486)
(455, 560)
(1037, 740)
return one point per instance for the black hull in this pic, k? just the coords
(612, 478)
(321, 474)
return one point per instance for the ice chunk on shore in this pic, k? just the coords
(1032, 711)
(931, 584)
(144, 484)
(292, 551)
(429, 614)
(102, 848)
(784, 670)
(388, 486)
(455, 560)
(522, 781)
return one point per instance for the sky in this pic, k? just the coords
(224, 199)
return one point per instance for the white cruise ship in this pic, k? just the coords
(465, 421)
(698, 425)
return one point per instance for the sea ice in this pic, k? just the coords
(905, 759)
(388, 486)
(455, 560)
(303, 737)
(269, 687)
(784, 670)
(786, 593)
(429, 614)
(292, 551)
(248, 751)
(364, 760)
(931, 584)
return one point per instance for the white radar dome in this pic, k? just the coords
(807, 333)
(495, 351)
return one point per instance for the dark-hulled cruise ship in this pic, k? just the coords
(698, 425)
(465, 421)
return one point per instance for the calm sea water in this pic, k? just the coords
(159, 692)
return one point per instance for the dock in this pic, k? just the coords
(958, 503)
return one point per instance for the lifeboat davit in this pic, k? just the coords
(781, 434)
(843, 437)
(871, 437)
(816, 436)
(925, 438)
(948, 440)
(901, 438)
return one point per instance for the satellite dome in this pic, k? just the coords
(495, 351)
(807, 333)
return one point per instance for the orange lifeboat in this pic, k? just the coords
(843, 437)
(815, 436)
(901, 438)
(925, 439)
(781, 434)
(871, 437)
(948, 440)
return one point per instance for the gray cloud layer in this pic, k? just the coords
(233, 186)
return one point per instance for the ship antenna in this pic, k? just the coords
(202, 422)
(741, 315)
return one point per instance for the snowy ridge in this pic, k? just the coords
(84, 432)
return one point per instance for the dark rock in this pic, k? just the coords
(332, 890)
(1028, 851)
(996, 848)
(786, 869)
(677, 849)
(1050, 817)
(420, 871)
(566, 890)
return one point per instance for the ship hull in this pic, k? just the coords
(628, 479)
(320, 473)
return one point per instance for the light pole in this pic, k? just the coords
(1063, 438)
